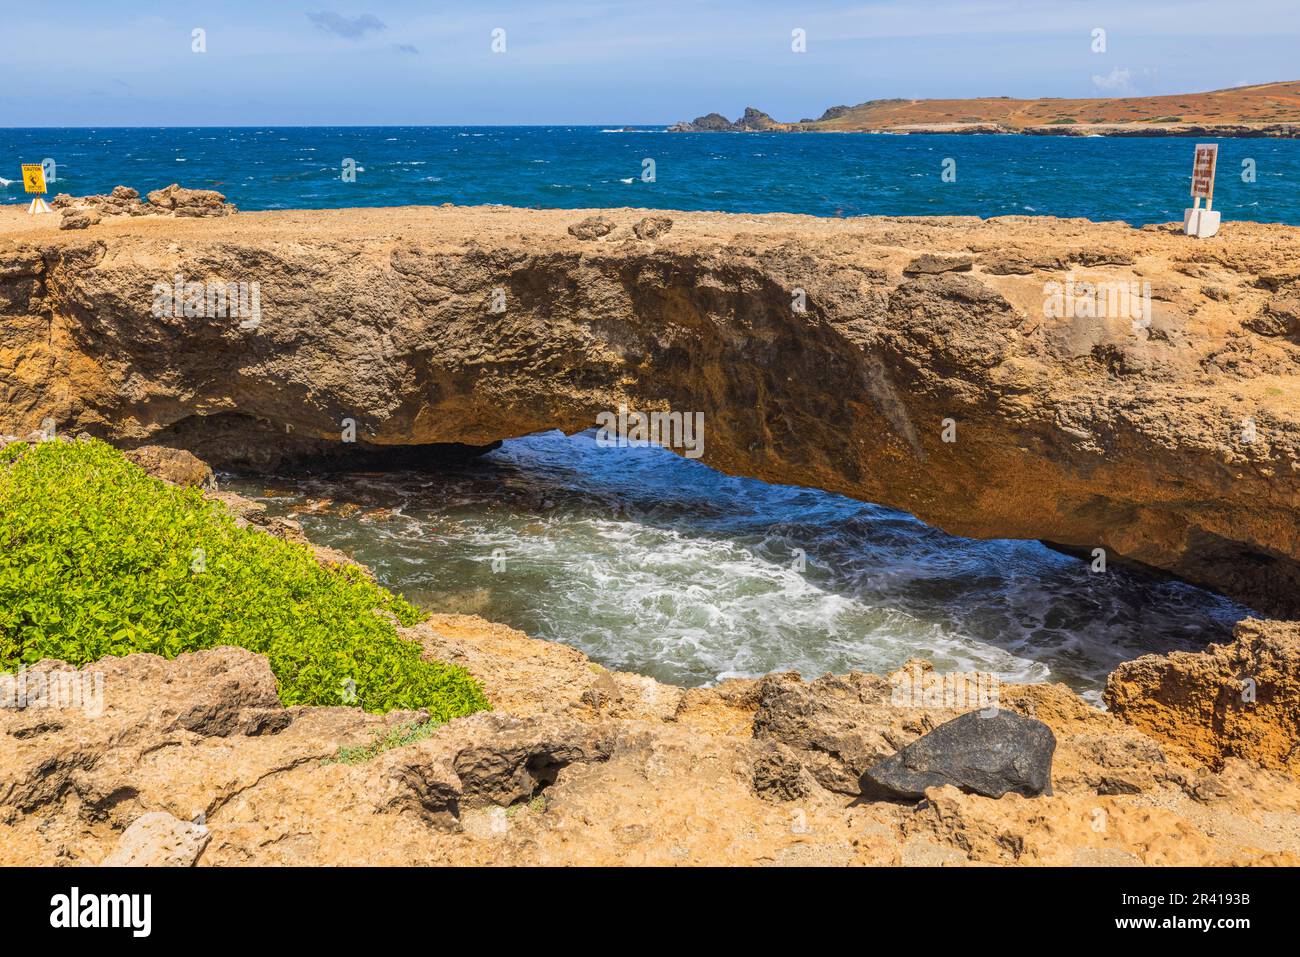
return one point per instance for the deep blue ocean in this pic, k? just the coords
(1101, 178)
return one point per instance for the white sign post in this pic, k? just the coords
(1198, 222)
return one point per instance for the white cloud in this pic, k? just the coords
(1114, 82)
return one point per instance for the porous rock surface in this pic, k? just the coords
(990, 752)
(1237, 700)
(158, 839)
(195, 758)
(80, 212)
(815, 355)
(176, 466)
(1082, 432)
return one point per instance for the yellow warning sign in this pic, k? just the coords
(33, 178)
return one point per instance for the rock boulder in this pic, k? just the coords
(652, 227)
(177, 466)
(988, 753)
(190, 202)
(158, 839)
(593, 227)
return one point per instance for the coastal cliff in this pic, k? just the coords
(1264, 110)
(944, 366)
(948, 366)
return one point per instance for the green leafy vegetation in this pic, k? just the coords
(97, 558)
(403, 734)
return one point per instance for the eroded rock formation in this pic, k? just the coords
(193, 761)
(1237, 700)
(174, 200)
(816, 350)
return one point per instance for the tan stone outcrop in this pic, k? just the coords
(1173, 442)
(158, 839)
(1238, 700)
(176, 466)
(80, 212)
(1083, 432)
(193, 761)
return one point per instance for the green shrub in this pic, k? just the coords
(97, 558)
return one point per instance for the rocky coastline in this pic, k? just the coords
(1270, 110)
(840, 354)
(193, 761)
(975, 373)
(756, 121)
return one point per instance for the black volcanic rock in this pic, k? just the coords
(988, 753)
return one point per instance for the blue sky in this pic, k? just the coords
(101, 63)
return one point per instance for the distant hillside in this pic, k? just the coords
(1270, 109)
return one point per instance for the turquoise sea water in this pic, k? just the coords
(1137, 180)
(657, 564)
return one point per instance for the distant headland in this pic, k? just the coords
(1269, 109)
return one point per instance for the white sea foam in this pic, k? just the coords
(653, 563)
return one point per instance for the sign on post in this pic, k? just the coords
(34, 177)
(1207, 158)
(34, 182)
(1198, 222)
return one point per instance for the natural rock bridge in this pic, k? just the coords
(907, 362)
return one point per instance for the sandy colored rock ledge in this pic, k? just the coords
(1174, 442)
(193, 761)
(1234, 700)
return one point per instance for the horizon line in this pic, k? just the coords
(354, 126)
